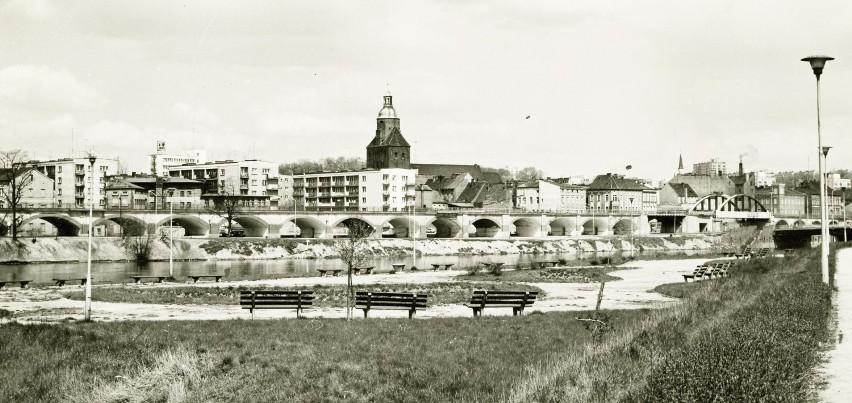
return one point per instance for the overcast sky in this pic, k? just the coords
(605, 83)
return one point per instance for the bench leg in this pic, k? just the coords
(365, 313)
(476, 312)
(24, 284)
(411, 313)
(515, 311)
(60, 283)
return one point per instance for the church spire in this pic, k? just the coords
(680, 165)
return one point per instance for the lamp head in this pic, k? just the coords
(92, 159)
(825, 151)
(817, 63)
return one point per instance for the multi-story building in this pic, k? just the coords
(704, 185)
(762, 179)
(783, 202)
(253, 180)
(73, 179)
(149, 192)
(834, 199)
(834, 181)
(35, 187)
(714, 167)
(545, 195)
(389, 189)
(162, 160)
(616, 193)
(680, 195)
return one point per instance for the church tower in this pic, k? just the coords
(388, 149)
(680, 165)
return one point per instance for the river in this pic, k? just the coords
(119, 272)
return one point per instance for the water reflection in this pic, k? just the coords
(120, 272)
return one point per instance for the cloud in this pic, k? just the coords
(39, 90)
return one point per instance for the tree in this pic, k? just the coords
(529, 174)
(137, 239)
(325, 164)
(353, 251)
(227, 204)
(13, 171)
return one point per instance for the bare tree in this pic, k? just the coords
(529, 174)
(325, 164)
(227, 204)
(137, 239)
(353, 251)
(13, 171)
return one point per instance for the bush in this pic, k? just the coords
(496, 269)
(473, 270)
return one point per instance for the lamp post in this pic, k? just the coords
(171, 233)
(88, 306)
(817, 64)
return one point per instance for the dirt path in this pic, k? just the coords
(633, 292)
(838, 370)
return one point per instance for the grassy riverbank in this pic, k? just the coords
(754, 336)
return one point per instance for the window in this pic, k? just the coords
(59, 169)
(363, 178)
(181, 193)
(59, 192)
(363, 188)
(222, 172)
(59, 180)
(363, 200)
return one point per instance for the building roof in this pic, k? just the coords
(766, 191)
(123, 184)
(491, 177)
(6, 174)
(808, 187)
(448, 170)
(683, 189)
(615, 182)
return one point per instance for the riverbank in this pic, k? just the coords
(48, 250)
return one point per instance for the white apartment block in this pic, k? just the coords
(714, 167)
(388, 189)
(253, 178)
(834, 181)
(544, 195)
(763, 179)
(73, 179)
(162, 160)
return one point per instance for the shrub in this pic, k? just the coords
(496, 269)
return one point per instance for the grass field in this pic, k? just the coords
(325, 295)
(754, 336)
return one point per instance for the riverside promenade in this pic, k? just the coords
(838, 369)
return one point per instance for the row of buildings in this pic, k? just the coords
(389, 182)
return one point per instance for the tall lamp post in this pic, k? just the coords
(88, 307)
(171, 232)
(817, 64)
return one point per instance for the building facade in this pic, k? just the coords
(255, 180)
(545, 195)
(615, 193)
(783, 202)
(834, 181)
(36, 191)
(390, 189)
(714, 167)
(162, 160)
(73, 179)
(388, 149)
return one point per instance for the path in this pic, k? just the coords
(633, 292)
(838, 369)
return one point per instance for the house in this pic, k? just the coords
(678, 194)
(546, 195)
(35, 187)
(617, 193)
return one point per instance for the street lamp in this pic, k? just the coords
(817, 64)
(88, 306)
(171, 232)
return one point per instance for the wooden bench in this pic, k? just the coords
(157, 279)
(410, 302)
(61, 281)
(517, 300)
(745, 254)
(763, 252)
(217, 277)
(713, 270)
(696, 275)
(276, 299)
(366, 270)
(552, 263)
(723, 269)
(22, 282)
(397, 267)
(329, 272)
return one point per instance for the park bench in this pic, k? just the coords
(61, 281)
(397, 267)
(723, 269)
(329, 272)
(517, 300)
(276, 299)
(366, 270)
(713, 270)
(552, 263)
(157, 279)
(367, 300)
(763, 252)
(217, 276)
(437, 266)
(22, 282)
(696, 275)
(745, 254)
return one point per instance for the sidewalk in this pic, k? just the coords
(838, 369)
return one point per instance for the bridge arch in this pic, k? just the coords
(799, 224)
(781, 224)
(624, 226)
(192, 225)
(309, 227)
(402, 227)
(741, 202)
(253, 226)
(708, 204)
(562, 226)
(129, 225)
(527, 227)
(65, 225)
(485, 228)
(594, 226)
(340, 228)
(444, 228)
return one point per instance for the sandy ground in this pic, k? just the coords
(633, 292)
(838, 369)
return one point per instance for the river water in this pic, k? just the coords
(119, 272)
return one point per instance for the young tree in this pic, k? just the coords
(354, 253)
(227, 204)
(14, 179)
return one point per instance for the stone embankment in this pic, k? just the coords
(44, 250)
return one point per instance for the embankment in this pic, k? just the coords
(43, 250)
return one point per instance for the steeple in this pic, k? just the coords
(680, 165)
(388, 148)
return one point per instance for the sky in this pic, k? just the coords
(605, 84)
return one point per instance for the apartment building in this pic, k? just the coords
(545, 195)
(617, 193)
(148, 192)
(714, 167)
(256, 181)
(73, 179)
(388, 189)
(162, 160)
(783, 202)
(834, 181)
